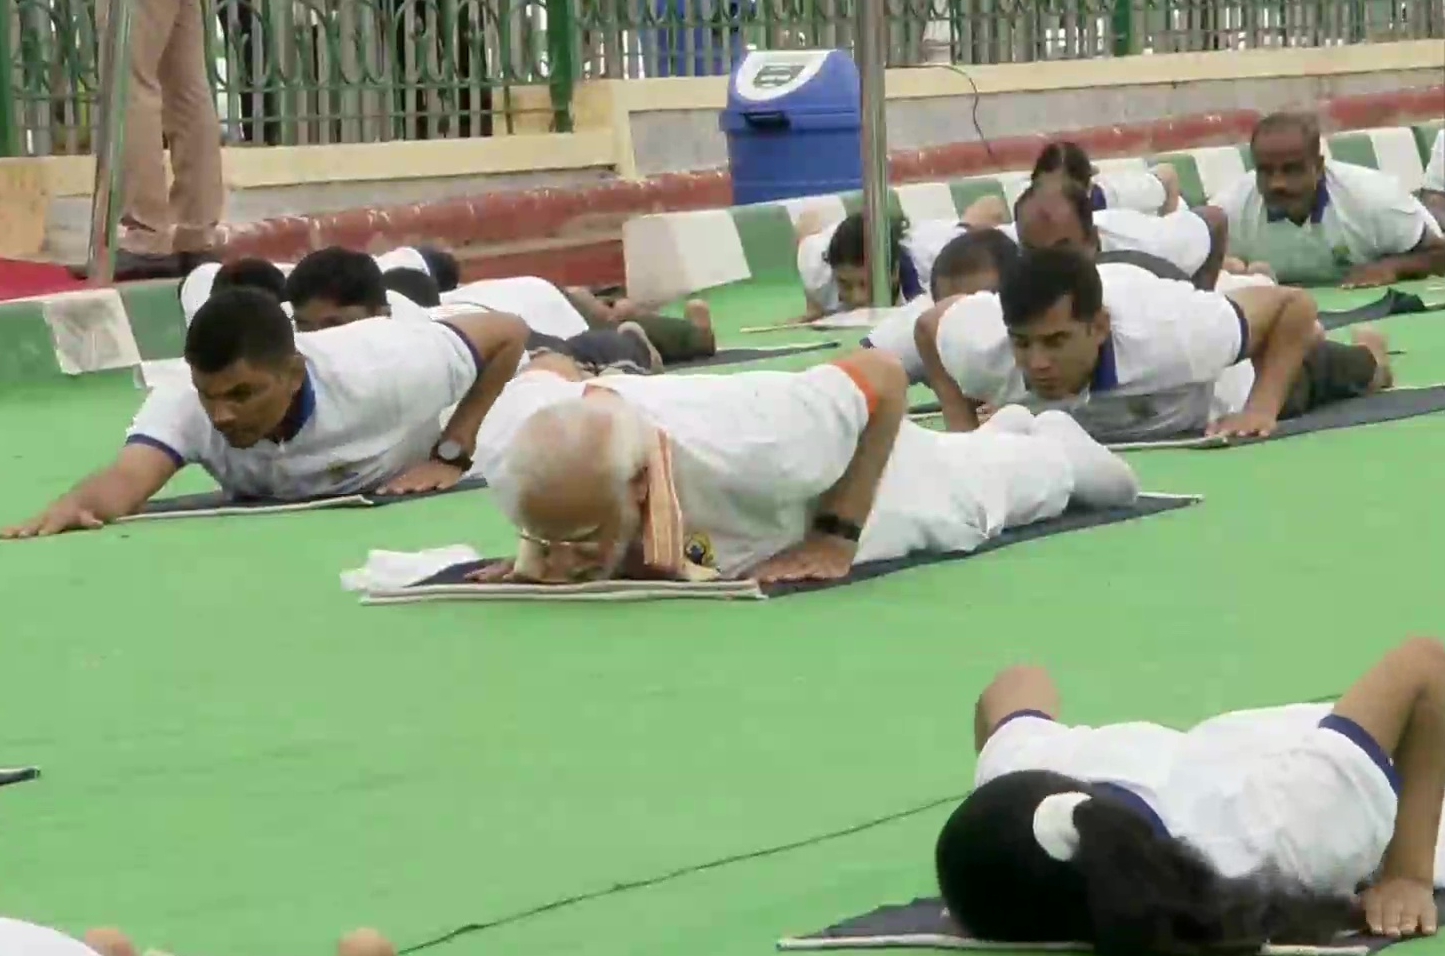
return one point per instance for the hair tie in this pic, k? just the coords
(1054, 827)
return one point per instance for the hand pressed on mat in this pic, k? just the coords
(427, 476)
(1245, 424)
(1401, 907)
(1370, 275)
(64, 515)
(818, 558)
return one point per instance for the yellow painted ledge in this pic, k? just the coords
(921, 82)
(253, 168)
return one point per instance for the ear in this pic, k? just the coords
(1102, 323)
(637, 487)
(296, 367)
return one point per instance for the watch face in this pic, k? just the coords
(449, 451)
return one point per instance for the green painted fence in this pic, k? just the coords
(290, 72)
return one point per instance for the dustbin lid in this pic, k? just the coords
(795, 81)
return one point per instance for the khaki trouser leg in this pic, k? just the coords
(190, 122)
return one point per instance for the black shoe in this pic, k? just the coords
(132, 266)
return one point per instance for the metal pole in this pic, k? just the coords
(871, 32)
(109, 140)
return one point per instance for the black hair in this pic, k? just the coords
(337, 275)
(1077, 197)
(974, 251)
(414, 284)
(1067, 156)
(849, 245)
(443, 267)
(240, 324)
(1042, 277)
(1307, 124)
(251, 272)
(1127, 888)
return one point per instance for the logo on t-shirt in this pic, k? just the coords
(698, 550)
(1342, 255)
(342, 471)
(1141, 409)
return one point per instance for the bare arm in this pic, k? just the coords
(499, 340)
(137, 473)
(1208, 275)
(960, 413)
(1283, 326)
(1400, 703)
(1013, 690)
(886, 383)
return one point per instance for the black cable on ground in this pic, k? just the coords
(624, 887)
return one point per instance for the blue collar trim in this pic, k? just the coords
(1317, 211)
(302, 407)
(1106, 370)
(1134, 802)
(1097, 199)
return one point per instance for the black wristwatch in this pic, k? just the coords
(837, 527)
(450, 452)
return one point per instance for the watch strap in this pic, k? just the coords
(834, 526)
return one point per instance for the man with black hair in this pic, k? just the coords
(1154, 191)
(335, 286)
(833, 262)
(1053, 213)
(251, 272)
(270, 414)
(1253, 827)
(441, 266)
(971, 262)
(1315, 220)
(1135, 357)
(414, 284)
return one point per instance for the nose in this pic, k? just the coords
(1037, 360)
(223, 416)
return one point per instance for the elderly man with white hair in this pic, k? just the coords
(773, 475)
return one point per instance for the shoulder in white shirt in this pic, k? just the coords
(895, 334)
(1181, 237)
(370, 407)
(1137, 190)
(539, 303)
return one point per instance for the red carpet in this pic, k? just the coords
(19, 278)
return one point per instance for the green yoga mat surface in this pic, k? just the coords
(241, 761)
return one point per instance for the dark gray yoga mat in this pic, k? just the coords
(1072, 520)
(925, 924)
(1388, 406)
(738, 356)
(9, 775)
(1393, 302)
(216, 502)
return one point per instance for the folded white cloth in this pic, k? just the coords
(855, 319)
(390, 570)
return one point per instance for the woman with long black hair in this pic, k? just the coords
(1285, 825)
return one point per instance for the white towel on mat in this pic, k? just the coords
(393, 570)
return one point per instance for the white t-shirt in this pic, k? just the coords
(27, 939)
(1136, 190)
(922, 242)
(1250, 789)
(1361, 215)
(371, 407)
(1181, 237)
(196, 286)
(894, 334)
(1435, 169)
(536, 301)
(1162, 372)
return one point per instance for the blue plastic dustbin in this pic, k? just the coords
(794, 125)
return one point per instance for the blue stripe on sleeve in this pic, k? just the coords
(160, 446)
(476, 356)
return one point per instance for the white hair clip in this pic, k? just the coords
(1054, 824)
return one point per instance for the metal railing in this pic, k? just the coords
(344, 71)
